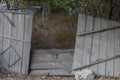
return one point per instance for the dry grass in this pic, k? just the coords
(58, 32)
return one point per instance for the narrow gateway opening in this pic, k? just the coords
(53, 42)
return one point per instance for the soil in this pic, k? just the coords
(31, 77)
(38, 77)
(58, 32)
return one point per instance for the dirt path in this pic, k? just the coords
(39, 78)
(31, 77)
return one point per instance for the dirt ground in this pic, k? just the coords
(38, 77)
(31, 77)
(59, 32)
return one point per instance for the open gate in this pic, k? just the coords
(97, 46)
(15, 40)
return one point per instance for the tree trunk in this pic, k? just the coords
(111, 10)
(8, 3)
(46, 13)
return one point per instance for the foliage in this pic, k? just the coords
(2, 1)
(70, 5)
(99, 8)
